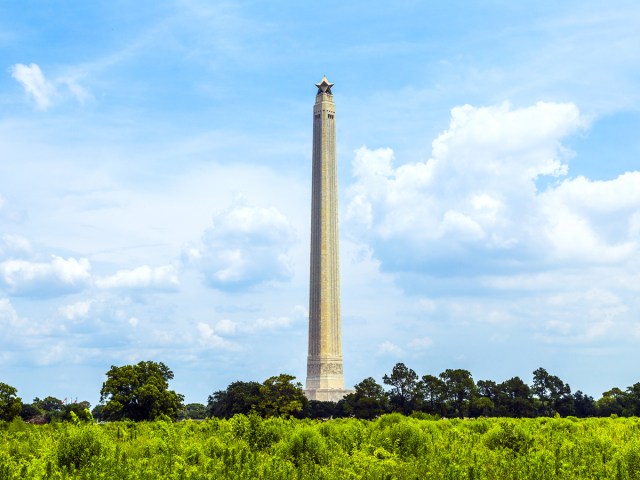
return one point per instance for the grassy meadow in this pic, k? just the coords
(390, 447)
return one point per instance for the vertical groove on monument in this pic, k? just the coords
(324, 363)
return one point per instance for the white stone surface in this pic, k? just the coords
(325, 379)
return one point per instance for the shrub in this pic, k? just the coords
(306, 445)
(507, 435)
(79, 448)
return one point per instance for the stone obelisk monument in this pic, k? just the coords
(324, 363)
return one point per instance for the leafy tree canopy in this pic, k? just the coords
(239, 397)
(139, 392)
(403, 382)
(194, 411)
(49, 404)
(10, 403)
(281, 397)
(368, 401)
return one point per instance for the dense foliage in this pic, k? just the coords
(454, 393)
(10, 403)
(277, 396)
(139, 392)
(392, 447)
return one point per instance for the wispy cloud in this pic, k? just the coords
(37, 87)
(41, 90)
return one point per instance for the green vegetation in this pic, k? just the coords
(10, 403)
(390, 447)
(441, 427)
(139, 392)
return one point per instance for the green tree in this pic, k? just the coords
(323, 409)
(632, 400)
(194, 411)
(97, 413)
(613, 401)
(404, 393)
(139, 392)
(584, 405)
(553, 394)
(51, 406)
(239, 397)
(79, 409)
(487, 388)
(484, 403)
(459, 389)
(514, 399)
(368, 401)
(281, 397)
(31, 411)
(431, 394)
(10, 403)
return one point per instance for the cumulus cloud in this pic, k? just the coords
(43, 91)
(210, 339)
(593, 219)
(59, 276)
(163, 278)
(477, 197)
(76, 310)
(246, 246)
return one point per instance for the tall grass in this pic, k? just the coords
(391, 447)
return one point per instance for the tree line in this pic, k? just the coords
(141, 392)
(452, 393)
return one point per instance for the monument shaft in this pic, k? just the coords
(324, 362)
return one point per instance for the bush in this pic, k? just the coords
(307, 445)
(80, 447)
(508, 435)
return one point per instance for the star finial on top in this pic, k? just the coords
(324, 86)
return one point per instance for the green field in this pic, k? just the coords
(393, 447)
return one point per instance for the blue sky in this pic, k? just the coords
(155, 172)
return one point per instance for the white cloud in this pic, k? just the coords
(209, 338)
(227, 327)
(246, 246)
(477, 196)
(43, 91)
(59, 276)
(163, 278)
(76, 310)
(593, 220)
(35, 84)
(389, 348)
(80, 93)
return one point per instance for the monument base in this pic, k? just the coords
(327, 394)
